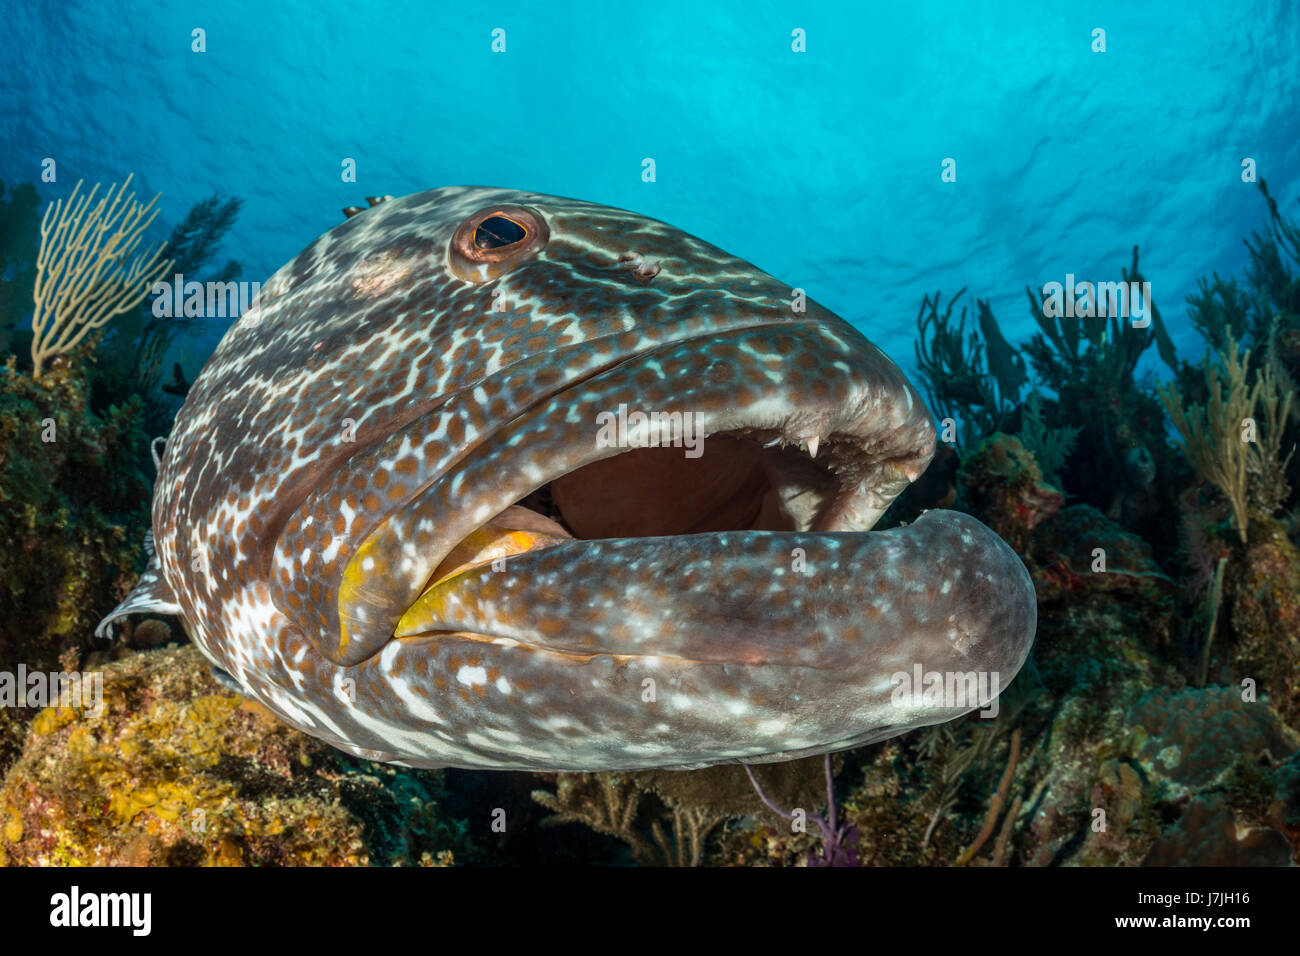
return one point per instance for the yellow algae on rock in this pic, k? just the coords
(13, 829)
(174, 771)
(52, 718)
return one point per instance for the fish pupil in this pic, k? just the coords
(495, 232)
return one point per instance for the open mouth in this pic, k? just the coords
(737, 432)
(741, 479)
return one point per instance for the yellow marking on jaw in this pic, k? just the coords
(355, 574)
(481, 547)
(369, 576)
(485, 545)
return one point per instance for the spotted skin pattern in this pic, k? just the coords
(385, 397)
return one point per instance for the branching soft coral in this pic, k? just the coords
(1113, 346)
(1272, 255)
(1219, 309)
(967, 380)
(1050, 447)
(19, 227)
(87, 271)
(192, 243)
(1221, 441)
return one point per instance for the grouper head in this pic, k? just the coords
(496, 479)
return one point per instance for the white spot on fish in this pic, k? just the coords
(470, 676)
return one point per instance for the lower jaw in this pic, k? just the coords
(759, 620)
(693, 644)
(944, 587)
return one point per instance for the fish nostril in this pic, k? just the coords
(646, 271)
(642, 269)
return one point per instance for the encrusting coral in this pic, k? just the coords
(1050, 447)
(175, 770)
(1264, 612)
(74, 508)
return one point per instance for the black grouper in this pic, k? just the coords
(391, 510)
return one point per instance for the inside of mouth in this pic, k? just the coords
(750, 480)
(733, 481)
(743, 480)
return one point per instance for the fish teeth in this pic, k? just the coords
(809, 445)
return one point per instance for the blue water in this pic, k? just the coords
(821, 167)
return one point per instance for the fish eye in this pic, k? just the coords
(494, 232)
(495, 240)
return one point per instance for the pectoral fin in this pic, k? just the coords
(151, 594)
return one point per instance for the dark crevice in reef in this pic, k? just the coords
(474, 795)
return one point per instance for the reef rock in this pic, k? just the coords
(1081, 550)
(76, 507)
(1005, 487)
(175, 770)
(1185, 739)
(1209, 833)
(1265, 600)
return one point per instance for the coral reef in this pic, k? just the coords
(1112, 768)
(74, 455)
(923, 802)
(73, 510)
(1274, 261)
(1004, 486)
(130, 350)
(1180, 737)
(1050, 447)
(176, 770)
(1088, 767)
(1168, 579)
(611, 804)
(667, 817)
(1100, 424)
(1210, 834)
